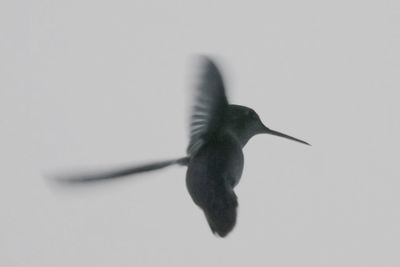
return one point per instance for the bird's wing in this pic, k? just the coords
(209, 107)
(81, 177)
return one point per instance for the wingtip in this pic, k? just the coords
(205, 60)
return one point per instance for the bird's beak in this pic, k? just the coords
(266, 130)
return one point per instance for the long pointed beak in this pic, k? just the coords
(276, 133)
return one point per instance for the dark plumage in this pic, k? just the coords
(218, 133)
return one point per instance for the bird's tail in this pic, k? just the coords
(222, 213)
(94, 176)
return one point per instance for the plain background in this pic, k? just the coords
(103, 83)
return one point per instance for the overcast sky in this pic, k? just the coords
(103, 83)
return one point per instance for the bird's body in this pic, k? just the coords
(218, 133)
(212, 174)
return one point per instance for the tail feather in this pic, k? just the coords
(88, 177)
(221, 215)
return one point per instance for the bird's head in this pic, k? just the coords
(244, 122)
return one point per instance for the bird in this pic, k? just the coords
(218, 132)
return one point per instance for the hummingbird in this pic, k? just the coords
(214, 157)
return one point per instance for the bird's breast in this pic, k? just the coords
(218, 162)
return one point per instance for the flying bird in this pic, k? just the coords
(214, 156)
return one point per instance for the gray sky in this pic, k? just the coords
(102, 83)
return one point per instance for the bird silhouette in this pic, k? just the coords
(218, 133)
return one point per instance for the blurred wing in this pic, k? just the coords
(209, 107)
(81, 177)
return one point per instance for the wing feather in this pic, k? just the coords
(209, 107)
